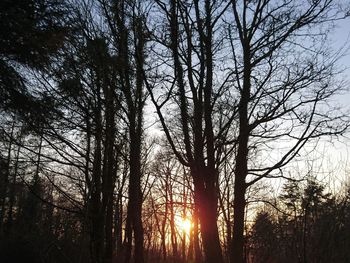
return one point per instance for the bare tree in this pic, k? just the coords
(126, 25)
(185, 48)
(284, 77)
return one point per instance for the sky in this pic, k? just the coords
(341, 150)
(332, 155)
(341, 38)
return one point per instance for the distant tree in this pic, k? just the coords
(310, 228)
(263, 240)
(290, 223)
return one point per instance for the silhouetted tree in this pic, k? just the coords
(282, 83)
(185, 49)
(32, 31)
(263, 239)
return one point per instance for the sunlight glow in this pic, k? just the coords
(184, 224)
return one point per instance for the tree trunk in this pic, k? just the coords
(133, 91)
(197, 249)
(12, 194)
(134, 222)
(109, 171)
(127, 244)
(118, 227)
(95, 212)
(172, 225)
(109, 244)
(165, 218)
(209, 230)
(206, 201)
(138, 230)
(241, 169)
(238, 226)
(5, 173)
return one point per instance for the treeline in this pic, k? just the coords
(309, 225)
(138, 131)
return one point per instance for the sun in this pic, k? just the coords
(184, 225)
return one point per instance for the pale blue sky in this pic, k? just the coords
(341, 38)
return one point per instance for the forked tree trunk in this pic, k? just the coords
(132, 88)
(203, 172)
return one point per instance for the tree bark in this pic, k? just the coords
(109, 170)
(12, 193)
(95, 209)
(206, 201)
(238, 226)
(203, 172)
(172, 224)
(241, 169)
(197, 249)
(5, 173)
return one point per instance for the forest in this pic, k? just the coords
(145, 131)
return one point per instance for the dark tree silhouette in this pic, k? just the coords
(240, 90)
(284, 78)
